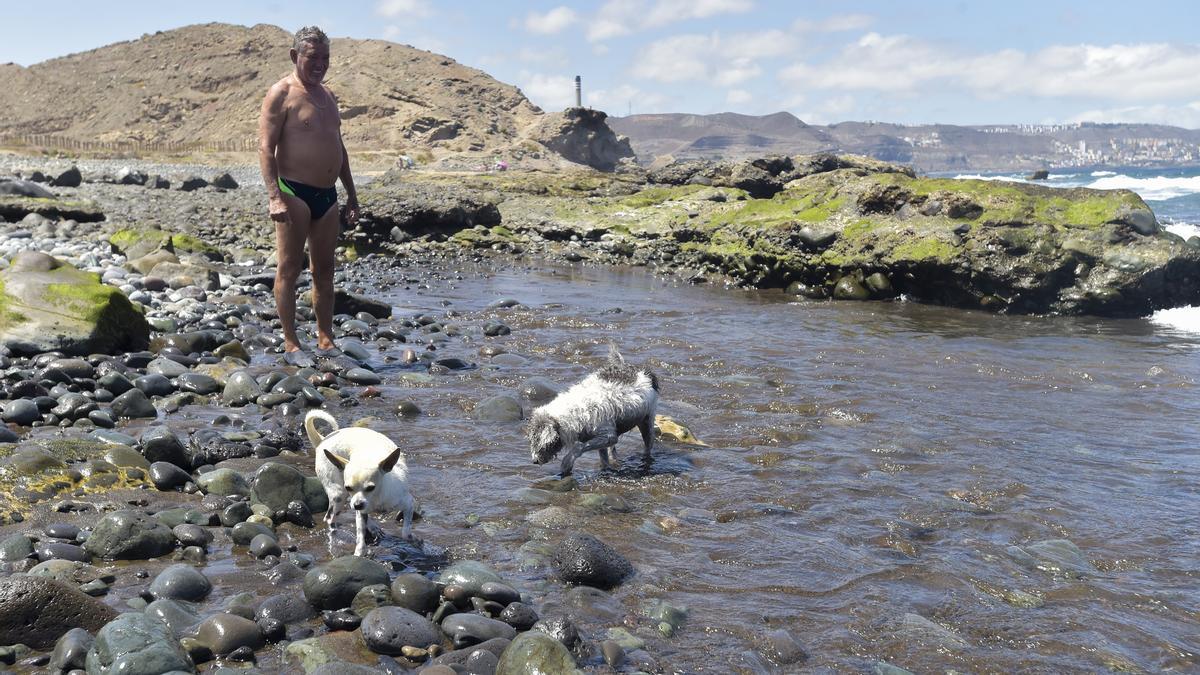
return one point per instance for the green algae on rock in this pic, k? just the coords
(46, 305)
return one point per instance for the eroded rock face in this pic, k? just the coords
(47, 305)
(582, 136)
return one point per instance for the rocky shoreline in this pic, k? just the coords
(134, 473)
(161, 472)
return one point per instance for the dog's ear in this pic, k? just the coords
(390, 461)
(337, 461)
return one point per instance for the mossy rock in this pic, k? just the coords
(13, 209)
(136, 242)
(47, 305)
(43, 469)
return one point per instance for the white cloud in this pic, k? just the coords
(622, 17)
(1186, 115)
(420, 41)
(722, 61)
(549, 92)
(829, 110)
(404, 8)
(624, 99)
(551, 22)
(738, 97)
(902, 64)
(834, 24)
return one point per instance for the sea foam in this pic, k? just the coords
(1155, 188)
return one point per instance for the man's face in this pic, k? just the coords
(312, 60)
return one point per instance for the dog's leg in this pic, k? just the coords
(331, 513)
(408, 516)
(360, 546)
(646, 426)
(599, 442)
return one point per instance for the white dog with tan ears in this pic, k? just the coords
(361, 467)
(593, 414)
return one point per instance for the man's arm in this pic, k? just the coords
(352, 213)
(270, 129)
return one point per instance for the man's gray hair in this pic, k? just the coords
(310, 35)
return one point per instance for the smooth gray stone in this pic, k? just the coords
(70, 652)
(334, 584)
(136, 643)
(223, 633)
(387, 630)
(501, 408)
(179, 616)
(129, 535)
(471, 629)
(415, 592)
(181, 582)
(133, 404)
(167, 476)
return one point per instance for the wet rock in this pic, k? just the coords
(298, 513)
(133, 404)
(407, 409)
(235, 513)
(181, 582)
(342, 619)
(561, 629)
(614, 654)
(65, 309)
(533, 653)
(387, 630)
(783, 649)
(167, 476)
(336, 649)
(241, 389)
(288, 608)
(37, 611)
(471, 629)
(61, 551)
(495, 328)
(519, 616)
(21, 411)
(414, 592)
(369, 598)
(70, 652)
(197, 383)
(277, 485)
(244, 533)
(225, 633)
(129, 535)
(584, 559)
(470, 575)
(180, 617)
(334, 584)
(160, 444)
(15, 547)
(537, 391)
(263, 545)
(361, 376)
(225, 482)
(499, 408)
(136, 643)
(850, 288)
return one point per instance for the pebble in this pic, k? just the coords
(181, 582)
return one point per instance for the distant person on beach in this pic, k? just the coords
(302, 156)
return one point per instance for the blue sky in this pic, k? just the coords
(912, 62)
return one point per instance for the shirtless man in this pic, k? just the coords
(302, 156)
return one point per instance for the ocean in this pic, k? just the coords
(1173, 194)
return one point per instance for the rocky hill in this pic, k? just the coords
(935, 147)
(205, 83)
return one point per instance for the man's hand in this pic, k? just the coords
(277, 209)
(351, 214)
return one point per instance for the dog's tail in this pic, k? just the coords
(614, 355)
(310, 426)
